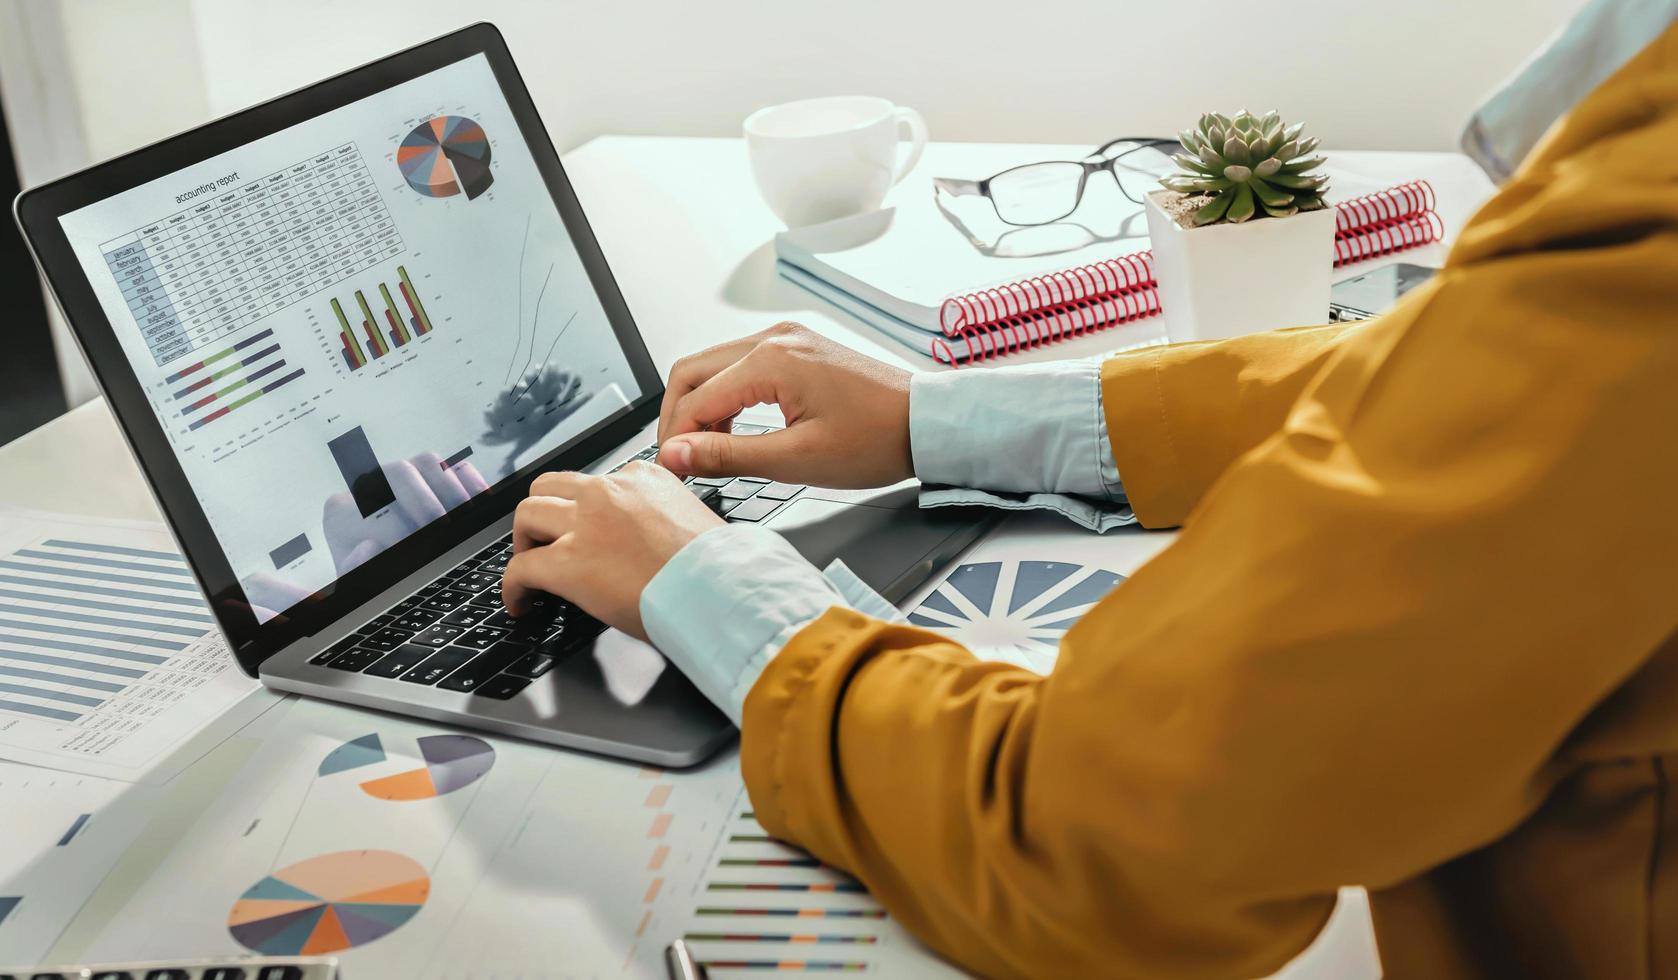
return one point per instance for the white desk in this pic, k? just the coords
(689, 242)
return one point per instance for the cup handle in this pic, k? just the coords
(917, 140)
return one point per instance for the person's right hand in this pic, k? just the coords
(847, 414)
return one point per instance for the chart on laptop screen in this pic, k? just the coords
(351, 325)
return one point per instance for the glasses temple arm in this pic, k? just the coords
(959, 187)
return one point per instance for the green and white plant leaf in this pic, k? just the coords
(1248, 166)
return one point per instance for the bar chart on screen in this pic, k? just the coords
(369, 330)
(228, 379)
(109, 656)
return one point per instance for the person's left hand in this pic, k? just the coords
(598, 540)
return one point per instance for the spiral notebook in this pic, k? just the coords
(889, 288)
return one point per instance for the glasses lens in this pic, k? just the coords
(1036, 193)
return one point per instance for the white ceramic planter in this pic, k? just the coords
(1226, 280)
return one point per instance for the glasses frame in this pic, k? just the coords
(1097, 162)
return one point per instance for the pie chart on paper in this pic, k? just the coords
(445, 156)
(329, 903)
(446, 763)
(1016, 611)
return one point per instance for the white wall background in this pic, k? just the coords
(1387, 75)
(99, 77)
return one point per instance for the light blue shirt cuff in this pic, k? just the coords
(733, 597)
(1028, 437)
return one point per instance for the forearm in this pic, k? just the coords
(1142, 435)
(1036, 428)
(729, 601)
(1179, 416)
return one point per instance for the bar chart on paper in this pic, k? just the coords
(109, 656)
(765, 906)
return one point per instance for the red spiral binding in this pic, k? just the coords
(985, 341)
(1408, 200)
(1057, 306)
(991, 306)
(1385, 239)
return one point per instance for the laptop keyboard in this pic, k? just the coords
(454, 634)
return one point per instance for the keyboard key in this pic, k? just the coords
(112, 975)
(531, 665)
(780, 491)
(387, 639)
(712, 481)
(445, 600)
(440, 635)
(399, 661)
(344, 644)
(477, 581)
(754, 509)
(503, 687)
(168, 973)
(525, 636)
(355, 660)
(501, 620)
(740, 489)
(376, 623)
(489, 598)
(570, 634)
(723, 505)
(703, 493)
(223, 973)
(438, 666)
(467, 616)
(476, 673)
(286, 972)
(495, 566)
(325, 656)
(480, 638)
(415, 620)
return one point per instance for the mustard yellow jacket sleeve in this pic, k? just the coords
(1417, 554)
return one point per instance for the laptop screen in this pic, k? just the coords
(353, 325)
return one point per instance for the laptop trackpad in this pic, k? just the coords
(881, 544)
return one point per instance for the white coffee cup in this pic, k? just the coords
(820, 159)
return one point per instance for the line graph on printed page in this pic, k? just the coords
(109, 657)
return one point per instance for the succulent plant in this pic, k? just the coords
(1250, 166)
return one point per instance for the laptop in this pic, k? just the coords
(342, 331)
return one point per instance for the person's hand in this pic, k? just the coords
(598, 540)
(847, 414)
(424, 488)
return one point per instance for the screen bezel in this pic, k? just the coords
(39, 209)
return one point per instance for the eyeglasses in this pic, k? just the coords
(1043, 193)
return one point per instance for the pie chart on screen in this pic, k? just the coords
(445, 156)
(329, 903)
